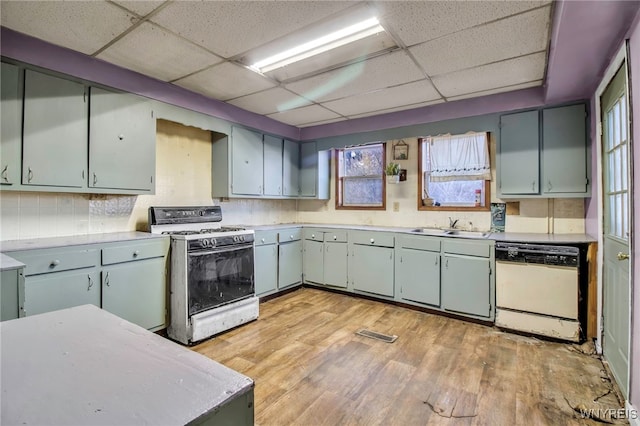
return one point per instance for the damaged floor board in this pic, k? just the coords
(311, 368)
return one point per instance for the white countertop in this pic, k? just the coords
(7, 263)
(84, 366)
(74, 240)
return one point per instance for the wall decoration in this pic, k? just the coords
(401, 150)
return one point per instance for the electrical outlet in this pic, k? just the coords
(396, 206)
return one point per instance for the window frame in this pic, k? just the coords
(340, 183)
(487, 187)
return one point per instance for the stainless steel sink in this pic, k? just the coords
(452, 232)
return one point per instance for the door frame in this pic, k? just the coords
(620, 58)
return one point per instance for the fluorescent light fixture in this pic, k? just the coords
(320, 45)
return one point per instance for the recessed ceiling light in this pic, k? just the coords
(319, 45)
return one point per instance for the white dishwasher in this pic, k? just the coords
(537, 289)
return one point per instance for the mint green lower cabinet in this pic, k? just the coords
(290, 264)
(335, 264)
(266, 268)
(466, 285)
(136, 291)
(60, 290)
(371, 269)
(418, 276)
(313, 261)
(9, 282)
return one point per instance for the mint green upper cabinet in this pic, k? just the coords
(564, 150)
(55, 132)
(272, 166)
(122, 142)
(519, 154)
(11, 129)
(247, 162)
(290, 169)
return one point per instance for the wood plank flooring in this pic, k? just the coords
(310, 368)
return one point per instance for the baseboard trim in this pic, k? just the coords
(632, 413)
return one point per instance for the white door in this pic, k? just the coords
(616, 160)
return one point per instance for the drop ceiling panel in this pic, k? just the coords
(229, 28)
(225, 81)
(500, 74)
(270, 101)
(377, 73)
(419, 21)
(308, 114)
(507, 38)
(498, 90)
(154, 51)
(318, 123)
(349, 52)
(141, 7)
(81, 26)
(401, 108)
(411, 93)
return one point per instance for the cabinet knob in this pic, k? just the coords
(121, 136)
(313, 236)
(291, 237)
(29, 175)
(54, 263)
(335, 237)
(136, 253)
(372, 241)
(262, 240)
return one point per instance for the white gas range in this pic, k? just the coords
(212, 287)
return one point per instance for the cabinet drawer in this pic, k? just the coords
(469, 248)
(380, 239)
(337, 236)
(263, 238)
(293, 234)
(419, 243)
(313, 234)
(134, 251)
(56, 260)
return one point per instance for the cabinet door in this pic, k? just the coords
(290, 264)
(418, 276)
(9, 294)
(519, 153)
(371, 269)
(335, 264)
(247, 162)
(136, 292)
(290, 169)
(313, 261)
(122, 141)
(266, 268)
(308, 169)
(60, 290)
(466, 285)
(272, 166)
(564, 150)
(55, 132)
(11, 129)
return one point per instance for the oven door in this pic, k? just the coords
(219, 276)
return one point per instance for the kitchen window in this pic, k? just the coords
(360, 177)
(455, 172)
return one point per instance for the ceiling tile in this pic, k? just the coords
(141, 7)
(270, 101)
(229, 28)
(308, 114)
(411, 93)
(225, 81)
(498, 90)
(507, 38)
(383, 71)
(400, 108)
(154, 51)
(84, 26)
(319, 123)
(418, 21)
(500, 74)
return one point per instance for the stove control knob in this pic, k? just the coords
(213, 242)
(205, 242)
(235, 238)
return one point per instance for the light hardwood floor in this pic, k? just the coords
(311, 368)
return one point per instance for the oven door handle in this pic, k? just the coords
(208, 252)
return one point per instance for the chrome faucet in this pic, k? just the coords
(452, 223)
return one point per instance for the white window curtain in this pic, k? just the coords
(459, 157)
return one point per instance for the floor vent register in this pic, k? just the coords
(378, 336)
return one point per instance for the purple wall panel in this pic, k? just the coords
(40, 53)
